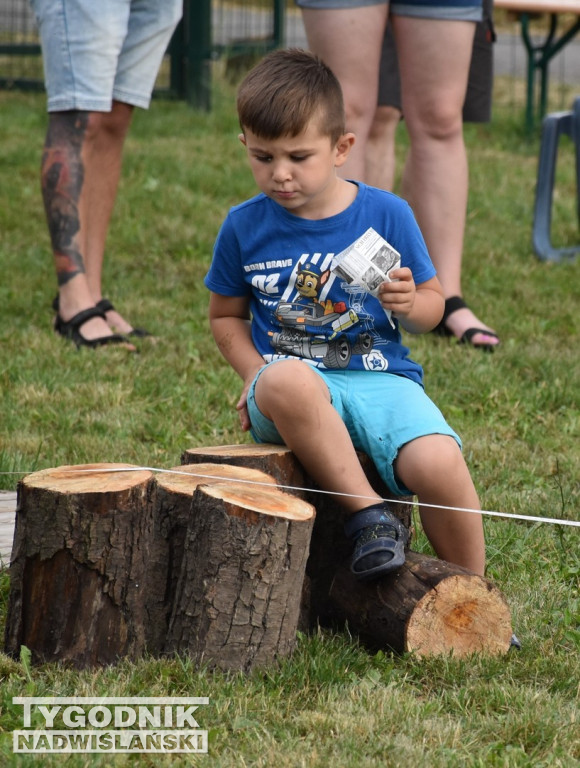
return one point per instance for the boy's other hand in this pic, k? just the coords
(242, 409)
(398, 296)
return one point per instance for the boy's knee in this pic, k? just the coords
(289, 382)
(428, 457)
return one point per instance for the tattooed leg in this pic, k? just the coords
(62, 180)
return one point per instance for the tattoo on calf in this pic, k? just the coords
(62, 182)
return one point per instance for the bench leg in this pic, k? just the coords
(553, 127)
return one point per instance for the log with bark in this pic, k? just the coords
(213, 559)
(429, 606)
(172, 496)
(102, 559)
(237, 602)
(79, 563)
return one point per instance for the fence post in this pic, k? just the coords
(279, 19)
(197, 22)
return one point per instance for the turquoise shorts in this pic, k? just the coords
(95, 51)
(451, 10)
(382, 413)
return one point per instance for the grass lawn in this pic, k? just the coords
(332, 703)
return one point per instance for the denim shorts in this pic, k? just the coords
(95, 51)
(451, 10)
(404, 413)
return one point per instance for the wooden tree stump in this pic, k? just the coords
(429, 607)
(275, 460)
(79, 563)
(238, 598)
(329, 545)
(213, 559)
(172, 496)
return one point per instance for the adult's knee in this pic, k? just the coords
(437, 122)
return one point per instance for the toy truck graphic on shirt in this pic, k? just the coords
(313, 329)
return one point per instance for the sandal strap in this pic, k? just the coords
(471, 332)
(452, 304)
(371, 516)
(81, 317)
(105, 305)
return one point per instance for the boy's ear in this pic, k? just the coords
(343, 147)
(242, 138)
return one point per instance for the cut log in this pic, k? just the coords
(79, 563)
(275, 460)
(282, 464)
(429, 607)
(172, 503)
(238, 597)
(329, 545)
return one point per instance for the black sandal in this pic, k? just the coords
(106, 306)
(70, 329)
(452, 305)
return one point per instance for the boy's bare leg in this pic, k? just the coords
(297, 400)
(433, 468)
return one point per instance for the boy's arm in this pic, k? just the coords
(229, 320)
(417, 307)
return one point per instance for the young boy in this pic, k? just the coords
(323, 369)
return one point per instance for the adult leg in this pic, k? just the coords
(103, 169)
(380, 162)
(68, 164)
(349, 40)
(434, 58)
(434, 469)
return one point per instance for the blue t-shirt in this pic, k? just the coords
(299, 307)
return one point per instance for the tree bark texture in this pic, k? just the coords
(329, 545)
(217, 559)
(238, 597)
(79, 564)
(173, 493)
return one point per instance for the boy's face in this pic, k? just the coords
(298, 172)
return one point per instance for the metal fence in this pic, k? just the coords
(209, 30)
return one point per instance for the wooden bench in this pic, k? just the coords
(540, 54)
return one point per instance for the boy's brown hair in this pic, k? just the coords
(285, 91)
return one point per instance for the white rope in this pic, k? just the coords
(487, 512)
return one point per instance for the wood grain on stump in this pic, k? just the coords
(429, 606)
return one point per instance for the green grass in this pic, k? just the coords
(332, 703)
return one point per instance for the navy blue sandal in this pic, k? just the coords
(380, 540)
